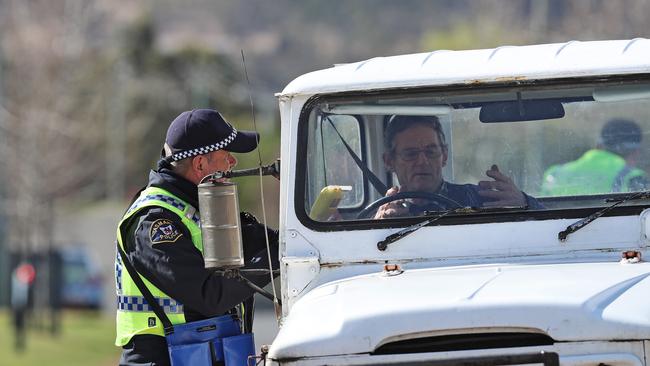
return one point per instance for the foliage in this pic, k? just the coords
(160, 86)
(268, 151)
(463, 36)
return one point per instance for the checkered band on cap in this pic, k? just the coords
(206, 149)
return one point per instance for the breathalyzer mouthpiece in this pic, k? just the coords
(271, 169)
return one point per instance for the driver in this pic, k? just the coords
(416, 151)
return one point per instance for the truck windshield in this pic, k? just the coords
(536, 148)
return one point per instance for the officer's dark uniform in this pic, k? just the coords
(175, 266)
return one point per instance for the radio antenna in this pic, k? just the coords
(276, 304)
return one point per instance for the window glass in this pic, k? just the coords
(335, 181)
(530, 148)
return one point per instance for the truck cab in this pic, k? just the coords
(557, 279)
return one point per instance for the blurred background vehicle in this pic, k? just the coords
(82, 283)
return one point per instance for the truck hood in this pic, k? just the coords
(568, 302)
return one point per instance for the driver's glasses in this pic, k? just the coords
(430, 152)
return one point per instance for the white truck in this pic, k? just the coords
(561, 283)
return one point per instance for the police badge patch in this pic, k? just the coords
(164, 231)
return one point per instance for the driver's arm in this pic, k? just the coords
(502, 191)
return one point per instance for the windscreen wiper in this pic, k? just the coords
(562, 235)
(390, 239)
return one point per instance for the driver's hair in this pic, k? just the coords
(399, 123)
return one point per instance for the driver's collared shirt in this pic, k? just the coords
(466, 195)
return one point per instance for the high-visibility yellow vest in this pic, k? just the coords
(596, 171)
(134, 316)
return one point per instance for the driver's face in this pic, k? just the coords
(417, 159)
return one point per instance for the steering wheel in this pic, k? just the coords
(438, 200)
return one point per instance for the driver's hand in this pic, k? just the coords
(396, 208)
(335, 216)
(502, 191)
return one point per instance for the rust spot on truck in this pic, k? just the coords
(340, 264)
(381, 262)
(512, 78)
(630, 256)
(498, 80)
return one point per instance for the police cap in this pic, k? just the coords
(201, 131)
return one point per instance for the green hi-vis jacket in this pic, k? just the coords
(596, 171)
(134, 316)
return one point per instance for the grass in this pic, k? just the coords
(85, 338)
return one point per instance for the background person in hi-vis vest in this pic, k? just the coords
(610, 167)
(161, 236)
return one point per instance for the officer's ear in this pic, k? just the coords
(197, 169)
(199, 164)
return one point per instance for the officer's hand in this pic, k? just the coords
(276, 171)
(247, 218)
(396, 208)
(502, 191)
(254, 236)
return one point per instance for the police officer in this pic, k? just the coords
(608, 168)
(162, 239)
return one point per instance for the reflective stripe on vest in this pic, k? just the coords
(134, 315)
(171, 200)
(139, 303)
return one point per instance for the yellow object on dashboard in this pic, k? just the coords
(327, 201)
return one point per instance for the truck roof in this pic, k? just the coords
(445, 67)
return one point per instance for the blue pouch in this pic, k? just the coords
(237, 349)
(200, 342)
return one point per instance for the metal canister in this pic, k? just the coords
(220, 225)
